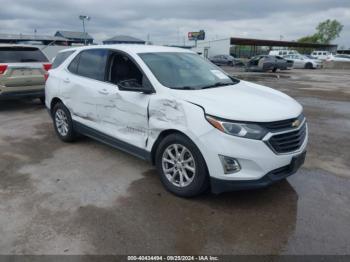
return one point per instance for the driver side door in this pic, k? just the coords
(123, 114)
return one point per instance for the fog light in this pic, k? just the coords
(229, 164)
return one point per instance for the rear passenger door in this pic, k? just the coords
(81, 84)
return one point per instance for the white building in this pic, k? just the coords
(213, 47)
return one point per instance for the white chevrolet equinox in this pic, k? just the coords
(201, 127)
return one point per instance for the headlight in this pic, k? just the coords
(246, 130)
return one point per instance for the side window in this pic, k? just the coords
(60, 58)
(324, 53)
(73, 66)
(92, 64)
(123, 72)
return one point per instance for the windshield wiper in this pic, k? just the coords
(217, 85)
(184, 88)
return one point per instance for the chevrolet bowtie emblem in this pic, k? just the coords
(296, 123)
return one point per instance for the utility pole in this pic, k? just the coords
(83, 18)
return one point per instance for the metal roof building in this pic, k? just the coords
(75, 37)
(248, 47)
(43, 39)
(123, 39)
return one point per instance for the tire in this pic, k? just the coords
(198, 177)
(63, 123)
(308, 66)
(274, 70)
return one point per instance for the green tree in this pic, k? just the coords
(328, 30)
(309, 39)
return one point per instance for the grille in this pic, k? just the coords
(288, 142)
(282, 125)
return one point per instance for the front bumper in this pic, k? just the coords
(219, 186)
(257, 160)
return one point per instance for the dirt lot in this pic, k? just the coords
(87, 198)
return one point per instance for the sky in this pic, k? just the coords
(168, 21)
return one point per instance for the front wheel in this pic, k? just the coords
(63, 123)
(308, 66)
(181, 166)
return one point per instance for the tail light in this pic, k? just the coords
(47, 67)
(3, 69)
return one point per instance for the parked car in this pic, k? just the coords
(283, 63)
(321, 55)
(201, 127)
(264, 63)
(339, 58)
(23, 71)
(226, 60)
(301, 61)
(283, 52)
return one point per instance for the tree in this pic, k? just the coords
(328, 30)
(309, 39)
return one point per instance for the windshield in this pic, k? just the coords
(185, 71)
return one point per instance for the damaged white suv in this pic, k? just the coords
(200, 127)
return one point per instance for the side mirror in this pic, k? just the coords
(146, 87)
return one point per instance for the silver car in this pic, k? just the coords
(23, 72)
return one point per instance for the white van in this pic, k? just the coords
(322, 55)
(283, 52)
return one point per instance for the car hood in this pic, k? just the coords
(244, 101)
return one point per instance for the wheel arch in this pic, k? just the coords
(160, 138)
(54, 102)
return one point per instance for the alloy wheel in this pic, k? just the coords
(61, 121)
(178, 165)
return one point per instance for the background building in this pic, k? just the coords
(75, 37)
(33, 39)
(123, 39)
(246, 47)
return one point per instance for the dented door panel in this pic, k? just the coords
(123, 114)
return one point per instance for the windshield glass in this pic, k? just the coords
(179, 70)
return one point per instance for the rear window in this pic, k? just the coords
(21, 55)
(60, 58)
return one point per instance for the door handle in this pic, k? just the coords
(103, 92)
(66, 80)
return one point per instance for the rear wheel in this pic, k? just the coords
(63, 123)
(181, 166)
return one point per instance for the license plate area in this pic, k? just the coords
(25, 72)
